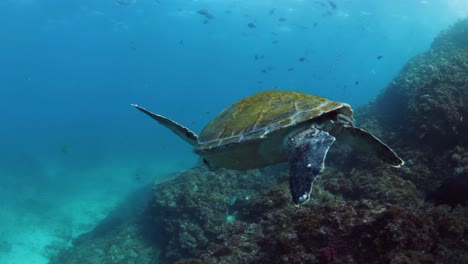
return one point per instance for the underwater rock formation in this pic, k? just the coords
(428, 100)
(118, 238)
(423, 111)
(344, 232)
(188, 213)
(361, 210)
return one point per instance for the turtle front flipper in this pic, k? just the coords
(306, 153)
(361, 140)
(184, 133)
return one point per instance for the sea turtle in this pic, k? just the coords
(275, 126)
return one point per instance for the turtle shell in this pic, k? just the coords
(251, 133)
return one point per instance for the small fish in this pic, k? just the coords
(291, 69)
(301, 59)
(251, 25)
(267, 69)
(233, 199)
(379, 57)
(132, 45)
(272, 11)
(282, 19)
(205, 13)
(125, 2)
(64, 149)
(315, 25)
(356, 83)
(332, 4)
(138, 177)
(258, 57)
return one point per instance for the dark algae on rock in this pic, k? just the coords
(189, 213)
(361, 211)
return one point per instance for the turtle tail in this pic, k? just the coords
(184, 133)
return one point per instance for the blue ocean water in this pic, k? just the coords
(69, 71)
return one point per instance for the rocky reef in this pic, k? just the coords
(427, 102)
(361, 210)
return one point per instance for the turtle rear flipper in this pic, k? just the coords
(306, 153)
(361, 140)
(184, 133)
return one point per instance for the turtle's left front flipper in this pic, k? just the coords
(361, 140)
(306, 153)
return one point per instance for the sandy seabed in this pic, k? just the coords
(35, 225)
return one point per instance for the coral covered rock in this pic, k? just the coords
(428, 100)
(186, 214)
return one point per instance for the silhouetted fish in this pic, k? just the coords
(138, 177)
(64, 149)
(267, 69)
(132, 45)
(205, 13)
(319, 3)
(379, 57)
(233, 199)
(125, 2)
(259, 57)
(251, 25)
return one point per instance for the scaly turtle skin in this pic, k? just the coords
(280, 126)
